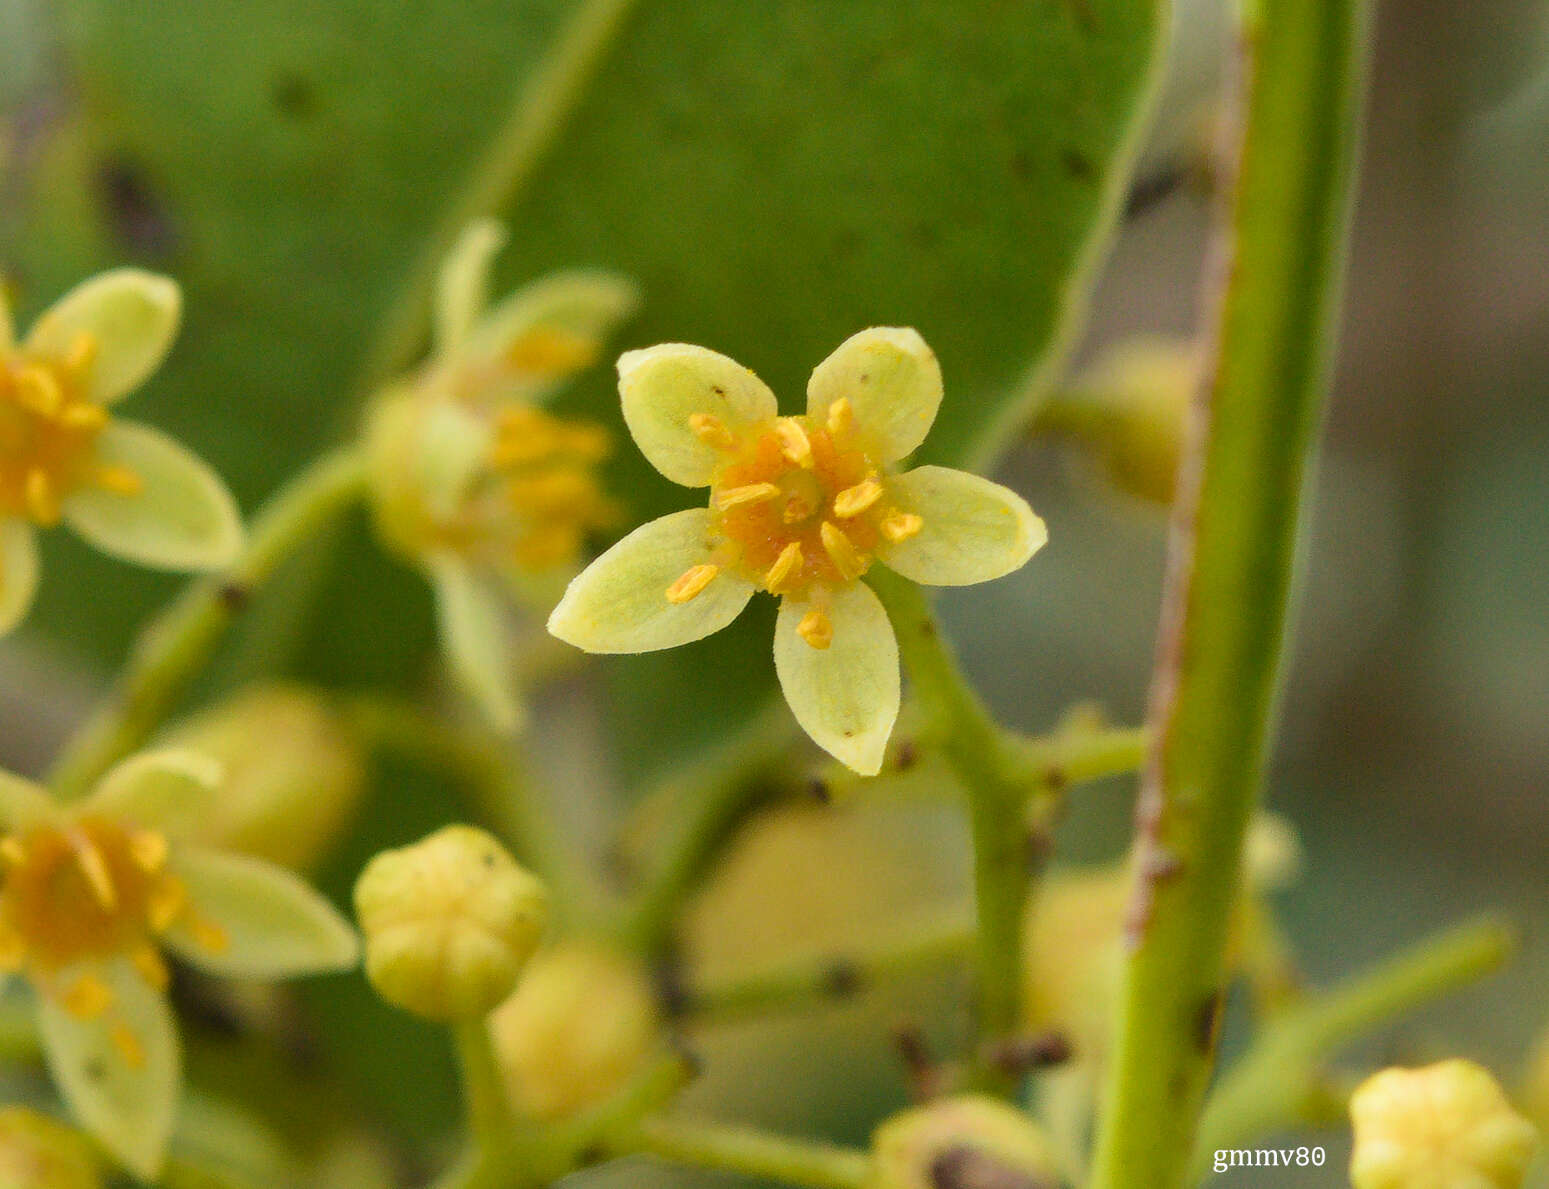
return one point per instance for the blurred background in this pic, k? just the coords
(1413, 749)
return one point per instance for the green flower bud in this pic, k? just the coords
(962, 1143)
(581, 1022)
(293, 775)
(449, 923)
(38, 1153)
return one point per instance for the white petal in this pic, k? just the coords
(474, 621)
(168, 790)
(272, 923)
(662, 387)
(19, 570)
(126, 1100)
(182, 519)
(132, 317)
(893, 383)
(846, 695)
(973, 530)
(462, 287)
(23, 803)
(619, 603)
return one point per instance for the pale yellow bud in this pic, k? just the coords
(38, 1153)
(449, 923)
(581, 1022)
(1447, 1126)
(293, 775)
(962, 1143)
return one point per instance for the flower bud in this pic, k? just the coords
(38, 1153)
(581, 1022)
(962, 1143)
(449, 923)
(1436, 1128)
(293, 775)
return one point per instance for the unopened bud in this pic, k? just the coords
(581, 1022)
(1437, 1128)
(449, 923)
(962, 1143)
(38, 1153)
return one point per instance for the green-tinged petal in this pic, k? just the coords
(23, 803)
(182, 518)
(971, 530)
(7, 319)
(18, 572)
(663, 387)
(846, 695)
(250, 919)
(893, 383)
(119, 1071)
(131, 317)
(619, 603)
(168, 790)
(462, 287)
(475, 624)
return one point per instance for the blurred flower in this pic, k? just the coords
(473, 482)
(961, 1143)
(38, 1153)
(449, 923)
(127, 489)
(1447, 1126)
(93, 892)
(799, 507)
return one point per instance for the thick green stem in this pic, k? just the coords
(484, 1090)
(174, 648)
(1278, 252)
(752, 1153)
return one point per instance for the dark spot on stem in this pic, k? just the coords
(1017, 1055)
(908, 756)
(1078, 165)
(1207, 1022)
(820, 791)
(842, 979)
(234, 596)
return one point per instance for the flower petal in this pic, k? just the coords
(23, 803)
(893, 383)
(846, 695)
(131, 316)
(183, 518)
(662, 387)
(119, 1071)
(251, 919)
(474, 622)
(7, 319)
(972, 530)
(462, 286)
(168, 790)
(619, 603)
(19, 570)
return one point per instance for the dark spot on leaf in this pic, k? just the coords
(1078, 165)
(820, 791)
(1207, 1022)
(842, 978)
(908, 756)
(234, 596)
(293, 95)
(136, 215)
(718, 390)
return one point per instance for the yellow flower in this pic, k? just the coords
(967, 1140)
(473, 482)
(125, 488)
(90, 896)
(799, 507)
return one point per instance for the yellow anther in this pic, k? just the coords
(852, 501)
(797, 509)
(794, 443)
(89, 998)
(83, 416)
(118, 480)
(151, 967)
(841, 551)
(149, 850)
(209, 936)
(840, 416)
(82, 353)
(712, 431)
(165, 904)
(128, 1046)
(785, 565)
(13, 950)
(752, 493)
(816, 629)
(13, 850)
(42, 501)
(691, 582)
(545, 352)
(38, 391)
(88, 857)
(900, 526)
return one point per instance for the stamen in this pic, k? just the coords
(82, 353)
(89, 998)
(149, 850)
(841, 551)
(794, 443)
(42, 503)
(128, 1046)
(38, 391)
(816, 629)
(840, 416)
(691, 582)
(95, 868)
(900, 526)
(13, 950)
(209, 936)
(118, 480)
(852, 501)
(13, 850)
(165, 904)
(83, 416)
(712, 431)
(785, 565)
(752, 493)
(151, 967)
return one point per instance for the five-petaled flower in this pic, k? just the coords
(91, 894)
(799, 507)
(489, 494)
(127, 489)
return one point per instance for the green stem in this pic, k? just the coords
(752, 1153)
(1277, 1082)
(174, 648)
(537, 116)
(484, 1091)
(1278, 255)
